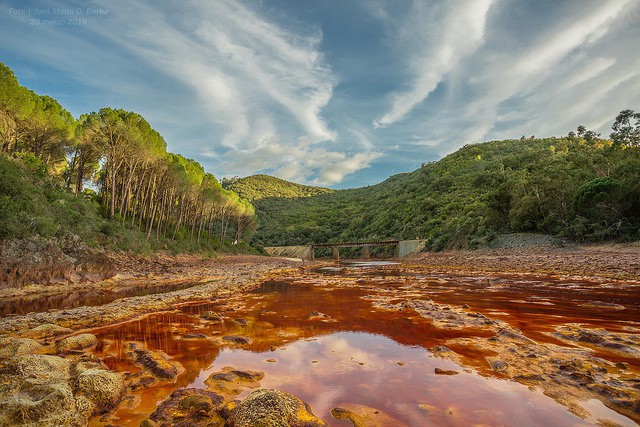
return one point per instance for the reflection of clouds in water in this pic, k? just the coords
(410, 393)
(322, 403)
(338, 365)
(337, 372)
(350, 357)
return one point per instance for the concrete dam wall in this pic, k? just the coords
(403, 248)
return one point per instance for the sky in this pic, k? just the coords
(334, 93)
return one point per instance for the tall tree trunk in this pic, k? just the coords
(179, 220)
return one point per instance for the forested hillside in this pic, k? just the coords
(580, 187)
(108, 177)
(48, 159)
(258, 187)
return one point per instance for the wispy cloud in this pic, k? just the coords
(240, 66)
(436, 38)
(304, 162)
(292, 89)
(536, 77)
(564, 75)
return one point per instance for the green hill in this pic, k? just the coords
(257, 187)
(586, 189)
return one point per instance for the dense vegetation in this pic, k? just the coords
(579, 187)
(47, 157)
(258, 187)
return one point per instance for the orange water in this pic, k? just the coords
(379, 359)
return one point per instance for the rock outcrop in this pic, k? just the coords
(47, 390)
(40, 260)
(76, 343)
(189, 407)
(155, 362)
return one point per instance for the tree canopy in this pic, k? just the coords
(140, 185)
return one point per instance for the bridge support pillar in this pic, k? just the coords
(366, 252)
(336, 253)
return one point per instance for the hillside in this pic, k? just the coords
(257, 187)
(32, 204)
(585, 189)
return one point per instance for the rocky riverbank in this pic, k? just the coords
(212, 277)
(49, 375)
(47, 378)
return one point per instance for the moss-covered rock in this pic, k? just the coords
(104, 388)
(40, 366)
(76, 342)
(230, 382)
(272, 408)
(37, 402)
(11, 347)
(189, 408)
(47, 330)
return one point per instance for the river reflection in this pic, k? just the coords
(328, 345)
(83, 298)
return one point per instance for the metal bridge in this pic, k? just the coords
(366, 251)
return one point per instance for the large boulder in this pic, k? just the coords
(272, 408)
(40, 366)
(36, 402)
(46, 390)
(37, 390)
(11, 347)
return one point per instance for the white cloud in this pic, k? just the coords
(546, 86)
(310, 164)
(336, 171)
(584, 31)
(437, 42)
(591, 69)
(261, 84)
(245, 88)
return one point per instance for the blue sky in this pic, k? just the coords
(338, 93)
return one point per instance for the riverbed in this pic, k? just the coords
(402, 345)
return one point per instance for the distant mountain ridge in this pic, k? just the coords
(257, 187)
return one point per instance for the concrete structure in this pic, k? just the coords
(304, 252)
(402, 248)
(408, 247)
